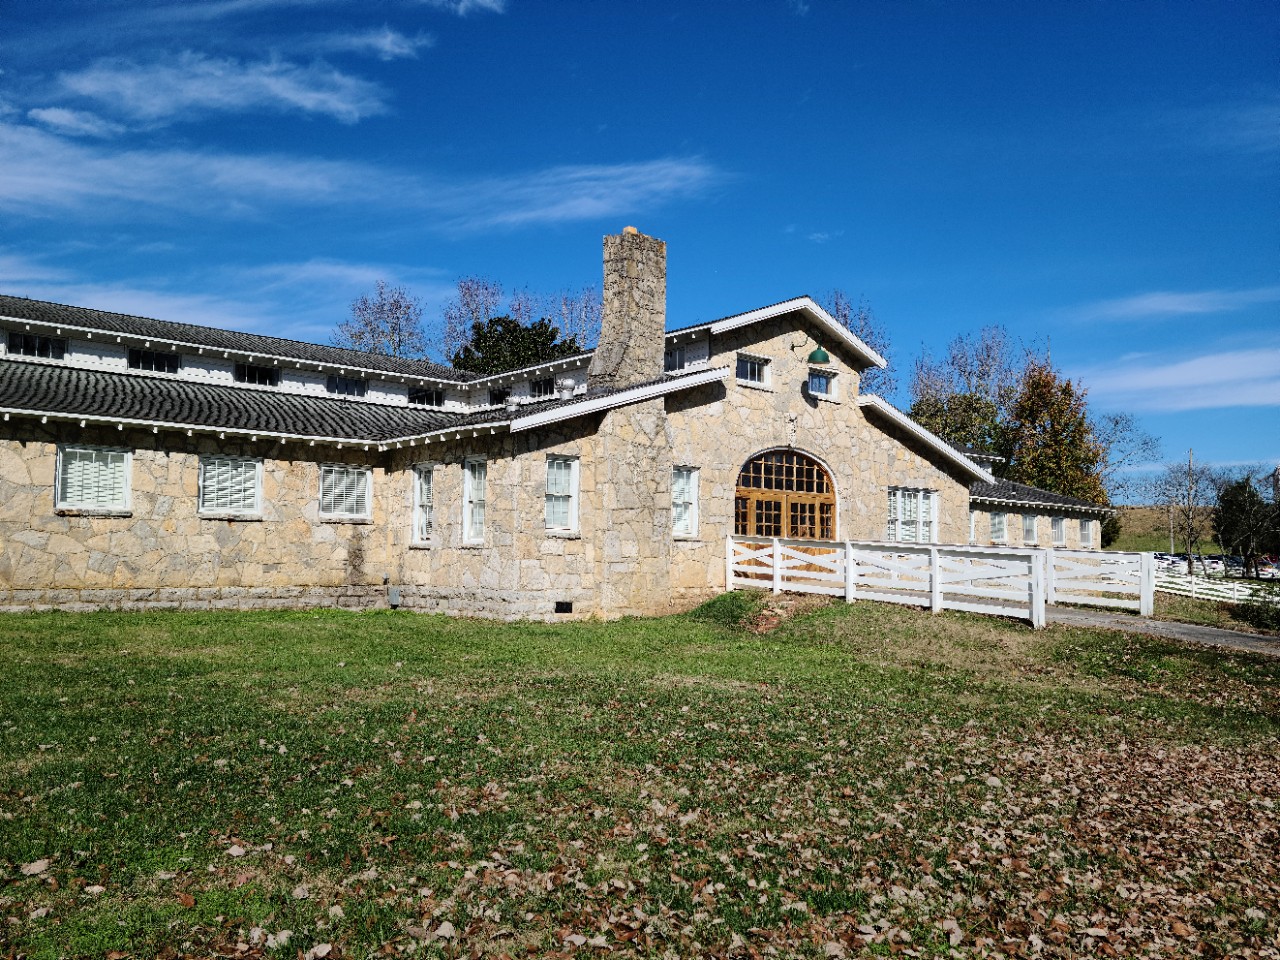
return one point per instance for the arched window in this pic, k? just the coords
(782, 493)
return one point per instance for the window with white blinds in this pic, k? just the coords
(424, 502)
(912, 515)
(998, 533)
(344, 491)
(1086, 533)
(473, 504)
(93, 478)
(684, 501)
(230, 485)
(562, 494)
(1059, 526)
(1029, 528)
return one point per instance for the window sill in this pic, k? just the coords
(241, 517)
(471, 545)
(825, 397)
(686, 538)
(423, 545)
(91, 512)
(355, 520)
(563, 534)
(768, 388)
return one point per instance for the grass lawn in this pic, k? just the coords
(864, 780)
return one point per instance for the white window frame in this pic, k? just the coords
(1058, 527)
(1086, 533)
(831, 393)
(973, 525)
(903, 501)
(124, 505)
(690, 530)
(470, 467)
(212, 511)
(329, 469)
(1035, 528)
(571, 495)
(673, 359)
(766, 371)
(1000, 531)
(420, 534)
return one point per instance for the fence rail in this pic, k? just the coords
(1202, 588)
(992, 580)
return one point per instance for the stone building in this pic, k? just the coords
(153, 464)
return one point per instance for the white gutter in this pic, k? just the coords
(1043, 505)
(926, 436)
(621, 398)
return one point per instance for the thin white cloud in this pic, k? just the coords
(1167, 303)
(381, 42)
(76, 123)
(1232, 378)
(1250, 127)
(17, 268)
(464, 7)
(567, 193)
(47, 175)
(180, 87)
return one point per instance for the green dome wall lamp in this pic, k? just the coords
(819, 356)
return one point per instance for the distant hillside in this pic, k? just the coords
(1147, 528)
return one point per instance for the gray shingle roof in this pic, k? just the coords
(211, 337)
(1006, 491)
(46, 388)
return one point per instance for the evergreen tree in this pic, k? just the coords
(501, 343)
(1048, 441)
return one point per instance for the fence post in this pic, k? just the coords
(850, 574)
(728, 563)
(1146, 584)
(777, 566)
(1037, 596)
(935, 582)
(1050, 577)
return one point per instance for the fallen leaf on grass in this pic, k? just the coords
(187, 900)
(35, 867)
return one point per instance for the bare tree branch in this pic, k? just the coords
(389, 323)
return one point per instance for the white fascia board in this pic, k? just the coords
(619, 399)
(1042, 506)
(467, 430)
(155, 425)
(203, 349)
(550, 366)
(927, 436)
(807, 306)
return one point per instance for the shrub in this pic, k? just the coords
(1263, 610)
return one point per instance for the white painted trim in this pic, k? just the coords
(58, 486)
(226, 353)
(573, 463)
(928, 437)
(807, 306)
(577, 361)
(368, 492)
(213, 513)
(1042, 506)
(619, 399)
(468, 501)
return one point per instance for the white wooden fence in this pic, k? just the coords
(1214, 588)
(994, 580)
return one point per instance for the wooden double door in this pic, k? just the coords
(783, 493)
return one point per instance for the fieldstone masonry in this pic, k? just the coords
(633, 324)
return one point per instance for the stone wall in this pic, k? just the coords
(719, 427)
(162, 544)
(1044, 528)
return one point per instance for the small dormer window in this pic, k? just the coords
(33, 345)
(156, 361)
(673, 359)
(257, 375)
(546, 387)
(425, 397)
(498, 396)
(346, 386)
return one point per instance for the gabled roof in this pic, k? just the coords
(805, 306)
(50, 390)
(1010, 494)
(869, 401)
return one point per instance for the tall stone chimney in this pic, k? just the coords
(633, 325)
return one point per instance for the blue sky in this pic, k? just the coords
(1102, 176)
